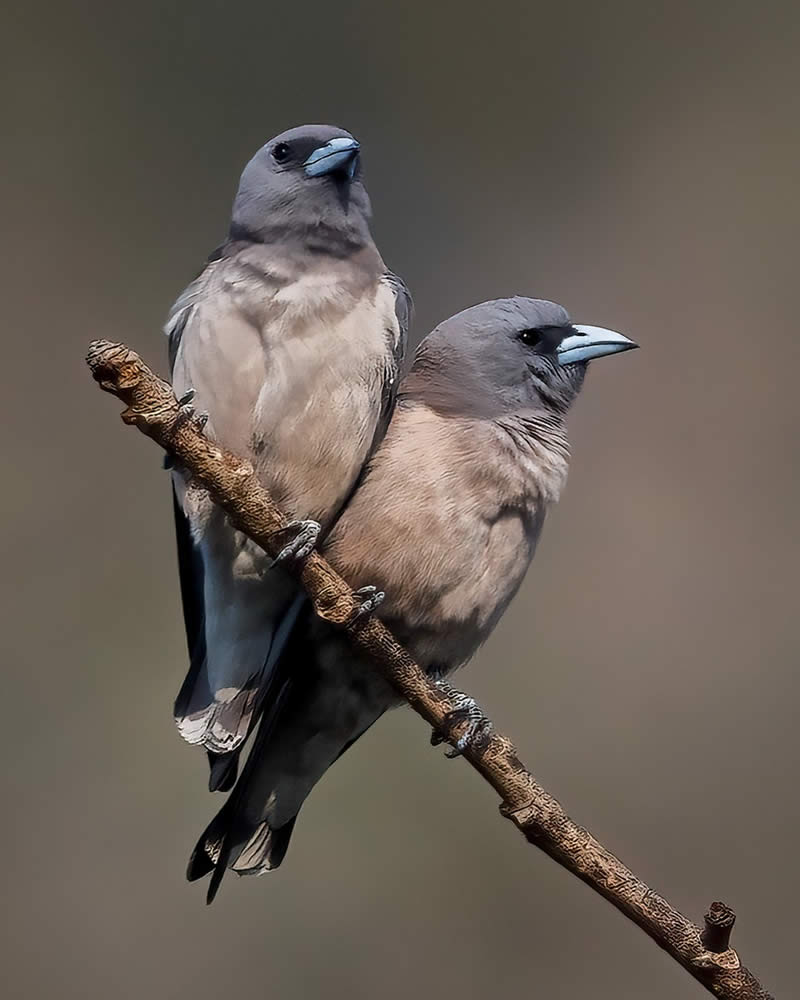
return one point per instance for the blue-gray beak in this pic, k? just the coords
(338, 154)
(591, 342)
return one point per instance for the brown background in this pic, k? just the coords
(638, 163)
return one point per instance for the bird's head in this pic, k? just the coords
(515, 355)
(304, 185)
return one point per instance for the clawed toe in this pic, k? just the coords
(370, 598)
(467, 713)
(475, 737)
(301, 545)
(187, 411)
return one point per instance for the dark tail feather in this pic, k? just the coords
(200, 863)
(212, 852)
(223, 769)
(230, 843)
(208, 847)
(219, 871)
(222, 845)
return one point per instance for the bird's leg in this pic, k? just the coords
(370, 598)
(467, 713)
(301, 544)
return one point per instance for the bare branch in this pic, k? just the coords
(152, 407)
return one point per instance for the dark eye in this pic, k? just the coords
(530, 338)
(282, 152)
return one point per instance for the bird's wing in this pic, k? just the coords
(404, 311)
(397, 339)
(190, 570)
(183, 308)
(190, 560)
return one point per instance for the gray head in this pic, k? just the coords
(508, 356)
(304, 186)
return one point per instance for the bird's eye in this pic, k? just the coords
(530, 338)
(282, 152)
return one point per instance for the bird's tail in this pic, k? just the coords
(251, 833)
(223, 845)
(325, 702)
(279, 775)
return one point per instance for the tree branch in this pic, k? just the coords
(152, 407)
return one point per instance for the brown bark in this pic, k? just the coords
(152, 407)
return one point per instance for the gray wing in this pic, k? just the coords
(190, 571)
(182, 307)
(404, 311)
(398, 344)
(190, 562)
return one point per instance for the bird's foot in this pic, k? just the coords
(188, 412)
(370, 598)
(477, 729)
(302, 543)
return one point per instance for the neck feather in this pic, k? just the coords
(540, 444)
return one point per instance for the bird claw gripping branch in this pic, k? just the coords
(301, 544)
(370, 598)
(467, 713)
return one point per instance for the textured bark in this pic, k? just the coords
(152, 407)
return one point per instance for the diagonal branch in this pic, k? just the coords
(152, 407)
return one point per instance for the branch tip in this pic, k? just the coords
(719, 923)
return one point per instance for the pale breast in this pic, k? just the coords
(443, 529)
(291, 375)
(317, 412)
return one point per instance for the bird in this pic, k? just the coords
(445, 523)
(288, 347)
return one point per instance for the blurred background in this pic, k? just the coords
(637, 163)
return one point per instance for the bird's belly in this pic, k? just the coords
(455, 594)
(315, 420)
(300, 397)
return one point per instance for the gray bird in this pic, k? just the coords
(445, 522)
(290, 341)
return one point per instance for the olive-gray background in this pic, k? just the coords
(636, 162)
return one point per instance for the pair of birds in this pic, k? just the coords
(431, 491)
